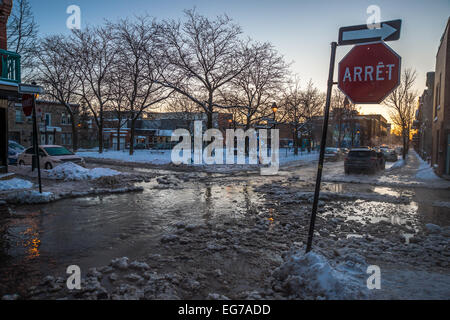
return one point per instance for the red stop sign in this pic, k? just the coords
(27, 104)
(369, 73)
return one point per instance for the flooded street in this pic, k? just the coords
(200, 223)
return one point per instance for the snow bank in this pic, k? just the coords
(311, 275)
(14, 184)
(398, 164)
(70, 171)
(31, 197)
(162, 157)
(425, 171)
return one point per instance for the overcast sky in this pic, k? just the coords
(301, 30)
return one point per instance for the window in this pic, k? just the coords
(58, 151)
(19, 116)
(63, 138)
(48, 119)
(63, 118)
(68, 138)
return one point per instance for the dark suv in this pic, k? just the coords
(362, 159)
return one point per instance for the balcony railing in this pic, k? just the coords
(10, 66)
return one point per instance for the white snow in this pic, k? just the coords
(160, 157)
(70, 171)
(14, 184)
(425, 171)
(31, 197)
(312, 275)
(398, 164)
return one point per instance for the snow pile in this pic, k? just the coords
(312, 276)
(425, 172)
(14, 184)
(70, 171)
(31, 197)
(398, 164)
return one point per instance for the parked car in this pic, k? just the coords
(333, 154)
(50, 156)
(14, 149)
(12, 158)
(363, 160)
(390, 155)
(14, 146)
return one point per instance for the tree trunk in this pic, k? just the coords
(210, 111)
(118, 133)
(133, 123)
(100, 132)
(296, 140)
(209, 124)
(74, 135)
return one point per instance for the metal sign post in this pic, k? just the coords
(322, 147)
(36, 160)
(28, 91)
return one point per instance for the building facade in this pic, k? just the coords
(9, 82)
(54, 124)
(424, 120)
(358, 130)
(441, 107)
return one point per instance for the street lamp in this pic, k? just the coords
(274, 108)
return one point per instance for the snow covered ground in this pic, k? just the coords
(425, 171)
(161, 157)
(14, 184)
(413, 172)
(72, 172)
(68, 171)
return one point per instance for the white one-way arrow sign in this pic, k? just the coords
(388, 31)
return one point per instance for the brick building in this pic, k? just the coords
(54, 125)
(424, 120)
(9, 82)
(441, 106)
(359, 130)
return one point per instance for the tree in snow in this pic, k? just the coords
(138, 68)
(301, 106)
(92, 54)
(203, 56)
(54, 73)
(402, 105)
(255, 89)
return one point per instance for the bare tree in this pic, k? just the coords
(92, 55)
(180, 103)
(118, 105)
(136, 65)
(22, 32)
(255, 89)
(204, 55)
(293, 106)
(401, 103)
(301, 106)
(56, 76)
(313, 103)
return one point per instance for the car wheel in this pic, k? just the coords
(48, 166)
